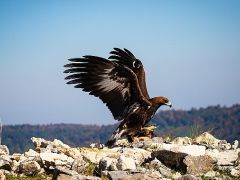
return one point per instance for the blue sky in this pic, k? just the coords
(190, 50)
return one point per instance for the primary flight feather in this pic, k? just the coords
(119, 82)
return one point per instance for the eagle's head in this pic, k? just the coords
(161, 100)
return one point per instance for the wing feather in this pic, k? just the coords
(126, 58)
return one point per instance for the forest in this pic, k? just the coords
(223, 122)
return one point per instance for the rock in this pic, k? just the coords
(194, 150)
(139, 155)
(14, 165)
(79, 165)
(31, 153)
(198, 164)
(235, 172)
(29, 168)
(76, 177)
(126, 163)
(5, 163)
(182, 140)
(124, 175)
(4, 150)
(16, 156)
(171, 159)
(2, 176)
(165, 172)
(57, 146)
(188, 177)
(155, 164)
(122, 143)
(207, 139)
(107, 163)
(235, 145)
(61, 173)
(51, 160)
(176, 175)
(116, 175)
(211, 174)
(223, 145)
(224, 158)
(94, 155)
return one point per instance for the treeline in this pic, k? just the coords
(223, 122)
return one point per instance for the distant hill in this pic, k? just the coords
(223, 122)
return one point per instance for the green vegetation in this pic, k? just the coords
(223, 122)
(38, 177)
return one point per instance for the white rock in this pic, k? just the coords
(235, 172)
(208, 139)
(59, 143)
(139, 155)
(56, 159)
(29, 168)
(4, 150)
(107, 163)
(194, 150)
(31, 153)
(224, 158)
(2, 176)
(181, 140)
(235, 144)
(16, 156)
(126, 163)
(155, 164)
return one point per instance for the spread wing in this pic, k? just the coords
(115, 84)
(126, 58)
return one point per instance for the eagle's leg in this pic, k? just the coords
(147, 131)
(130, 138)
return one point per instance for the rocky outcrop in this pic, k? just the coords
(156, 158)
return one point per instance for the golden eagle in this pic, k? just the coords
(119, 82)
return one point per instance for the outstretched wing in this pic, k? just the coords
(115, 84)
(126, 58)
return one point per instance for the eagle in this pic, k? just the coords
(119, 82)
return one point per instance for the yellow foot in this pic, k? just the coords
(150, 128)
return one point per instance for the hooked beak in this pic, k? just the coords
(169, 104)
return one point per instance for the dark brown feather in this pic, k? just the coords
(126, 58)
(115, 84)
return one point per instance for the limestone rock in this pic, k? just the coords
(182, 140)
(116, 175)
(79, 165)
(126, 163)
(31, 153)
(107, 163)
(5, 163)
(29, 168)
(235, 145)
(139, 155)
(170, 159)
(235, 171)
(61, 173)
(51, 160)
(188, 177)
(155, 164)
(76, 177)
(4, 150)
(194, 150)
(2, 175)
(198, 164)
(225, 158)
(165, 172)
(124, 175)
(16, 156)
(207, 139)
